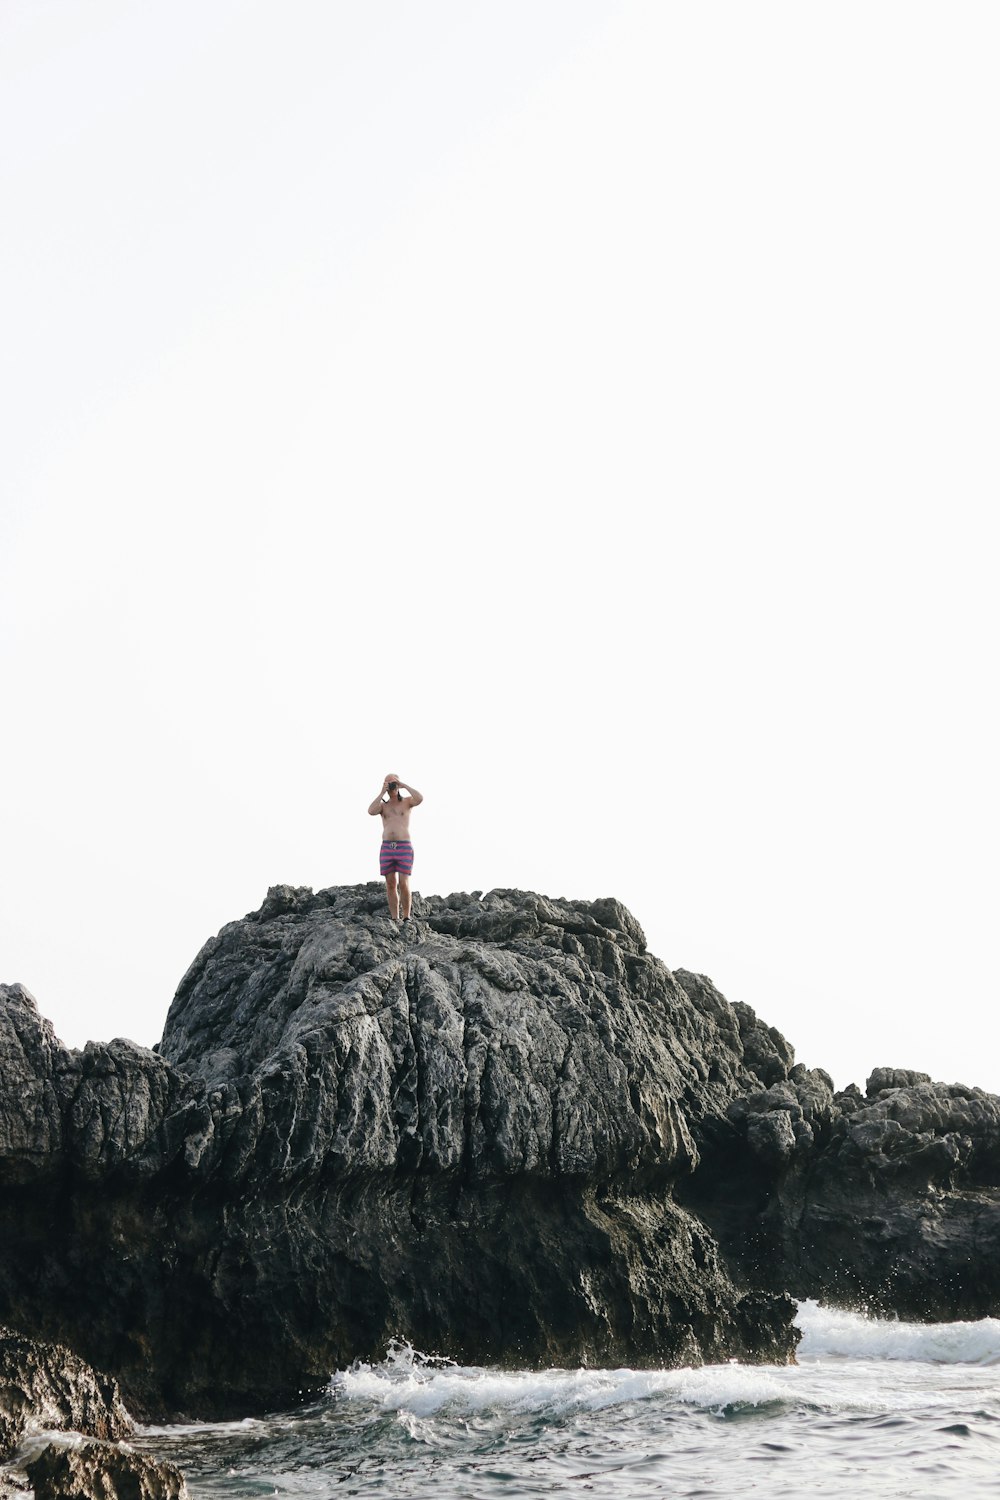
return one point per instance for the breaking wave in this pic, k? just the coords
(408, 1381)
(829, 1331)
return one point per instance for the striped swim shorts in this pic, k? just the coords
(395, 855)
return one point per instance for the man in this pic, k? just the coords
(396, 857)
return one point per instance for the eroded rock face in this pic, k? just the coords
(888, 1201)
(50, 1386)
(112, 1106)
(103, 1471)
(504, 1132)
(467, 1132)
(519, 1037)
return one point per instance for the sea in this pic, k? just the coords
(872, 1408)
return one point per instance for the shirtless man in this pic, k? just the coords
(396, 857)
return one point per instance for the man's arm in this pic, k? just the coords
(376, 806)
(415, 797)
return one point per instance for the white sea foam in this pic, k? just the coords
(406, 1382)
(236, 1428)
(864, 1426)
(417, 1388)
(829, 1331)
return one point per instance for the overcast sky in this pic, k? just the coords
(587, 410)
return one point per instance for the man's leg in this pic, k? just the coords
(392, 895)
(405, 898)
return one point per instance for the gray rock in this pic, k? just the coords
(504, 1132)
(30, 1107)
(889, 1203)
(103, 1471)
(893, 1078)
(468, 1132)
(48, 1385)
(771, 1136)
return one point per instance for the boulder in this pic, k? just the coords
(48, 1385)
(102, 1471)
(468, 1132)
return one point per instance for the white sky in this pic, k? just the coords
(587, 409)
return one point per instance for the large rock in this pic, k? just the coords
(467, 1132)
(504, 1132)
(103, 1471)
(48, 1386)
(888, 1201)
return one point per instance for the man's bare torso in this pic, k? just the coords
(396, 817)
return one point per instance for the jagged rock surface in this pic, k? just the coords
(467, 1133)
(103, 1471)
(46, 1386)
(50, 1386)
(887, 1201)
(506, 1133)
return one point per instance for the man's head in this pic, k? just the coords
(392, 782)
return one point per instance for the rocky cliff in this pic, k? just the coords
(887, 1201)
(505, 1132)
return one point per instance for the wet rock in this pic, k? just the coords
(103, 1471)
(47, 1385)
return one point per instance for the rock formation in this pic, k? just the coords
(100, 1471)
(504, 1132)
(887, 1201)
(47, 1385)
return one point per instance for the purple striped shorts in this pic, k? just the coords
(395, 855)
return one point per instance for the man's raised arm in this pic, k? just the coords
(376, 806)
(415, 797)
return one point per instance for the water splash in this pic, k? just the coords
(408, 1381)
(830, 1331)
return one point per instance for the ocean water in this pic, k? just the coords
(873, 1408)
